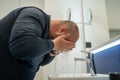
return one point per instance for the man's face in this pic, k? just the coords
(63, 30)
(73, 37)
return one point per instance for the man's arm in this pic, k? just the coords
(25, 40)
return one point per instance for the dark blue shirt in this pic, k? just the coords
(24, 43)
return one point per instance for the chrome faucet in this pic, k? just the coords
(89, 61)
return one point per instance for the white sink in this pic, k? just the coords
(78, 77)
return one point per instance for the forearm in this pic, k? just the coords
(26, 39)
(28, 47)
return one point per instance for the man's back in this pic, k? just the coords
(11, 68)
(18, 30)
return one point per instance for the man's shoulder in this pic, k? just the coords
(33, 10)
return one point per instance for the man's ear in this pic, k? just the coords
(64, 30)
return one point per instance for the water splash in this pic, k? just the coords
(75, 67)
(55, 66)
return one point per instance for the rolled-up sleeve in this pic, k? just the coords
(26, 40)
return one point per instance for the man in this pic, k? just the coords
(29, 39)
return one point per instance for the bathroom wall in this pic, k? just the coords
(98, 31)
(8, 5)
(37, 3)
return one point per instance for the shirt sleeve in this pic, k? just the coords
(26, 40)
(47, 59)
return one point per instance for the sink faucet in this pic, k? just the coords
(89, 61)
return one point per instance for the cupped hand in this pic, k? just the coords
(61, 43)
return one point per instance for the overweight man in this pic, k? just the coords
(29, 39)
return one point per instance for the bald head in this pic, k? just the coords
(58, 27)
(70, 25)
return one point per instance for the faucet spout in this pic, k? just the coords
(89, 60)
(79, 59)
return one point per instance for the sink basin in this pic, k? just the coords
(78, 77)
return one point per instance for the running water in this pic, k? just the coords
(75, 66)
(64, 57)
(55, 65)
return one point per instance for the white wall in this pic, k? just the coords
(37, 3)
(113, 11)
(58, 9)
(98, 31)
(8, 5)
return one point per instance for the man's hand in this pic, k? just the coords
(62, 44)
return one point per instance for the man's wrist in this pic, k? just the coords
(54, 53)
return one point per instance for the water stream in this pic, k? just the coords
(62, 62)
(75, 66)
